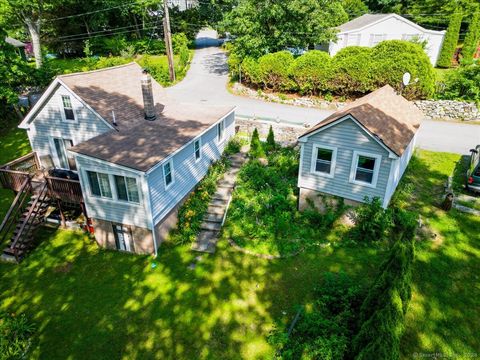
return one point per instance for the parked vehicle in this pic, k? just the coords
(473, 172)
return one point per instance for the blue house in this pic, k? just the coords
(359, 151)
(137, 153)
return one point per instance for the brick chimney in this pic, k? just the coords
(147, 92)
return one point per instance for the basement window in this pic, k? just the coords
(67, 108)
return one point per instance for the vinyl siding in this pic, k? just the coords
(112, 209)
(187, 172)
(347, 137)
(398, 168)
(49, 123)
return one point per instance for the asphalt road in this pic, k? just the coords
(206, 83)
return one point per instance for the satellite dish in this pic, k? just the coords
(406, 78)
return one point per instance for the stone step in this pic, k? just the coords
(206, 241)
(226, 183)
(218, 218)
(8, 258)
(217, 209)
(221, 196)
(219, 201)
(213, 226)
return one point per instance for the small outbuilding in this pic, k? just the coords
(370, 29)
(359, 151)
(17, 44)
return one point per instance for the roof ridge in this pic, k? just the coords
(99, 70)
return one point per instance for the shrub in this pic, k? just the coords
(250, 71)
(256, 147)
(179, 42)
(450, 41)
(324, 331)
(472, 38)
(311, 71)
(352, 71)
(274, 70)
(270, 145)
(382, 313)
(372, 221)
(234, 146)
(395, 57)
(463, 84)
(15, 336)
(104, 62)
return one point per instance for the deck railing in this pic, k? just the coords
(27, 164)
(65, 190)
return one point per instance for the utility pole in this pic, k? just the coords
(168, 40)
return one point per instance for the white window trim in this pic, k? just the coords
(222, 139)
(333, 163)
(199, 140)
(113, 188)
(62, 110)
(376, 169)
(172, 171)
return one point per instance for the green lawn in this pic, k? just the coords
(444, 314)
(14, 143)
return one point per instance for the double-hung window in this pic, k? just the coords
(323, 160)
(99, 184)
(377, 38)
(365, 168)
(168, 174)
(197, 149)
(67, 108)
(220, 131)
(127, 189)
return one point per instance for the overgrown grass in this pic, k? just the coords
(263, 215)
(444, 314)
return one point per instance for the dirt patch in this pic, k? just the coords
(64, 268)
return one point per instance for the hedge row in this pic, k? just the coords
(352, 71)
(382, 314)
(450, 41)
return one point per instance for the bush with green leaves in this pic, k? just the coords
(274, 70)
(250, 71)
(382, 314)
(312, 71)
(270, 144)
(256, 146)
(472, 39)
(395, 57)
(352, 71)
(372, 221)
(462, 84)
(324, 330)
(450, 41)
(16, 333)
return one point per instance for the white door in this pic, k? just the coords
(63, 161)
(123, 238)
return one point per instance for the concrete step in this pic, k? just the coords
(226, 183)
(8, 258)
(219, 202)
(218, 218)
(206, 241)
(217, 209)
(213, 226)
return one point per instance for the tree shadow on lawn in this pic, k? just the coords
(444, 314)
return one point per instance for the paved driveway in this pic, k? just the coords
(206, 82)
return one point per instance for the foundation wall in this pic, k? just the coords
(320, 200)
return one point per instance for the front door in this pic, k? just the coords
(123, 239)
(63, 160)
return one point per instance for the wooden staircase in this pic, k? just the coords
(23, 218)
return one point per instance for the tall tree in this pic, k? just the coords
(450, 41)
(354, 8)
(262, 26)
(472, 38)
(31, 14)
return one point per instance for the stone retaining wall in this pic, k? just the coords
(449, 110)
(284, 134)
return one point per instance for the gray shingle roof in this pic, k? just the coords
(362, 21)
